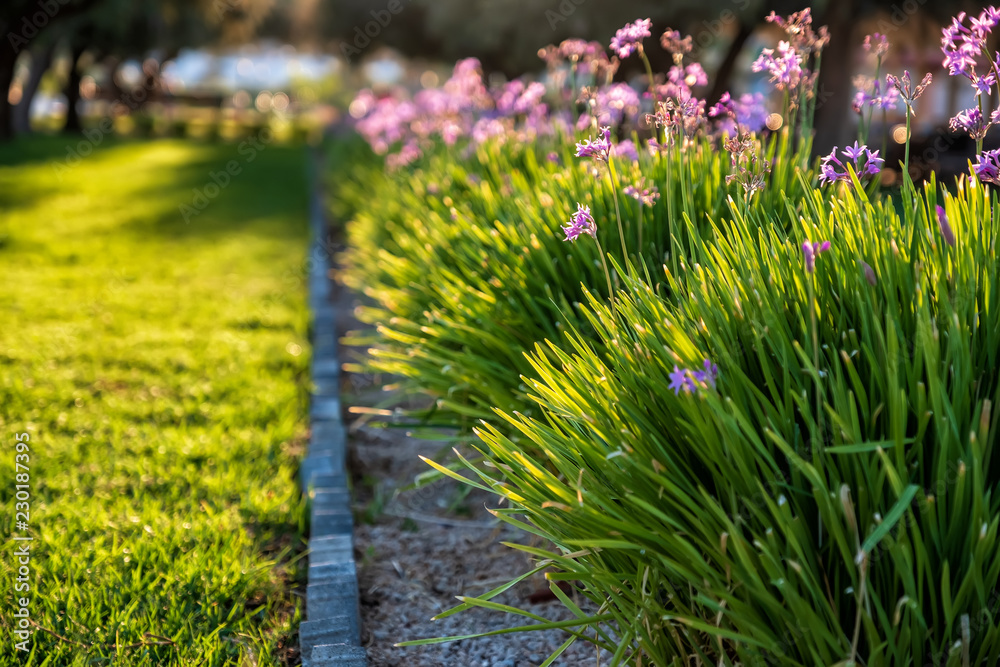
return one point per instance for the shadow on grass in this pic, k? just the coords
(266, 195)
(264, 192)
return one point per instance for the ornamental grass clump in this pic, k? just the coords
(462, 256)
(726, 479)
(782, 453)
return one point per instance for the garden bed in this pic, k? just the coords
(417, 549)
(742, 391)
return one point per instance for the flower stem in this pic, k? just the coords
(906, 152)
(618, 212)
(607, 274)
(815, 346)
(638, 226)
(668, 193)
(885, 133)
(649, 73)
(979, 141)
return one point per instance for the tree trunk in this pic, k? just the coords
(72, 92)
(725, 71)
(41, 60)
(834, 91)
(7, 59)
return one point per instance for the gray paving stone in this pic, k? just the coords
(331, 522)
(326, 556)
(327, 434)
(334, 480)
(325, 344)
(326, 386)
(338, 592)
(335, 630)
(337, 655)
(325, 407)
(313, 468)
(322, 555)
(323, 321)
(331, 499)
(332, 542)
(325, 368)
(318, 302)
(334, 461)
(322, 572)
(328, 490)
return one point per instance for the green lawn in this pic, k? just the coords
(160, 369)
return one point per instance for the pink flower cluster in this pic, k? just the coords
(462, 108)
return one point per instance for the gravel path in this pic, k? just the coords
(429, 545)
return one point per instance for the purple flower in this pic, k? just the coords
(625, 149)
(871, 165)
(748, 112)
(628, 39)
(962, 45)
(684, 111)
(515, 98)
(885, 98)
(903, 85)
(878, 41)
(708, 375)
(854, 152)
(687, 380)
(971, 121)
(487, 128)
(612, 104)
(671, 41)
(875, 95)
(409, 153)
(984, 84)
(809, 252)
(987, 167)
(688, 77)
(783, 64)
(599, 149)
(647, 196)
(725, 105)
(679, 380)
(582, 222)
(946, 232)
(798, 27)
(961, 60)
(576, 49)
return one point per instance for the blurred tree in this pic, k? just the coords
(40, 58)
(114, 30)
(21, 22)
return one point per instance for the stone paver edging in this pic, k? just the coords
(331, 634)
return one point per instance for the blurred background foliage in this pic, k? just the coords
(63, 59)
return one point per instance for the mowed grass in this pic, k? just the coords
(160, 369)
